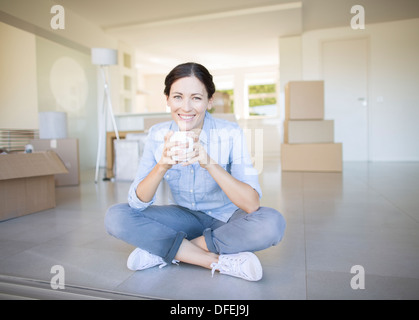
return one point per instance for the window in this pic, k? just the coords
(252, 93)
(262, 100)
(261, 94)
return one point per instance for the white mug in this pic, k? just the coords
(183, 137)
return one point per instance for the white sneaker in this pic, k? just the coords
(243, 265)
(140, 259)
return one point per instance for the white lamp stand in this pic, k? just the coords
(104, 57)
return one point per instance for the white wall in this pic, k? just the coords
(290, 68)
(290, 62)
(393, 95)
(155, 100)
(77, 29)
(18, 87)
(393, 92)
(67, 83)
(32, 60)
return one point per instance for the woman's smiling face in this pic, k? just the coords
(188, 102)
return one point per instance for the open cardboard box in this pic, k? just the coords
(27, 182)
(68, 151)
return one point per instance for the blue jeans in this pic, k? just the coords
(161, 229)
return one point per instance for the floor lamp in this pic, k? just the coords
(104, 57)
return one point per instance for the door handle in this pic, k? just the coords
(364, 101)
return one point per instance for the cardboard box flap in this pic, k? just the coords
(23, 165)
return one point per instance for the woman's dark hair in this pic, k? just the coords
(190, 69)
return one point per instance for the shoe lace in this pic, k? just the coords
(174, 261)
(227, 265)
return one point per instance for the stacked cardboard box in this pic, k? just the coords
(308, 137)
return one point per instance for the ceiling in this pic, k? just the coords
(223, 34)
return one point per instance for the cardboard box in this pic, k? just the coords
(304, 100)
(128, 153)
(27, 182)
(68, 151)
(110, 150)
(127, 158)
(324, 157)
(308, 131)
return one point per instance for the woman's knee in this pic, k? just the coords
(114, 218)
(274, 226)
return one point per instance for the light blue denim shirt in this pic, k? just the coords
(193, 187)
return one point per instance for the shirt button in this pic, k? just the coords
(209, 212)
(191, 170)
(191, 191)
(193, 203)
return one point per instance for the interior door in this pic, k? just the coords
(344, 66)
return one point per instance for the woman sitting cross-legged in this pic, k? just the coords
(216, 221)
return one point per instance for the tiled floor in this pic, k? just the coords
(367, 216)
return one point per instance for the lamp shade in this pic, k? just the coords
(52, 125)
(104, 56)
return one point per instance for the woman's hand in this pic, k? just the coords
(166, 160)
(198, 154)
(240, 193)
(148, 186)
